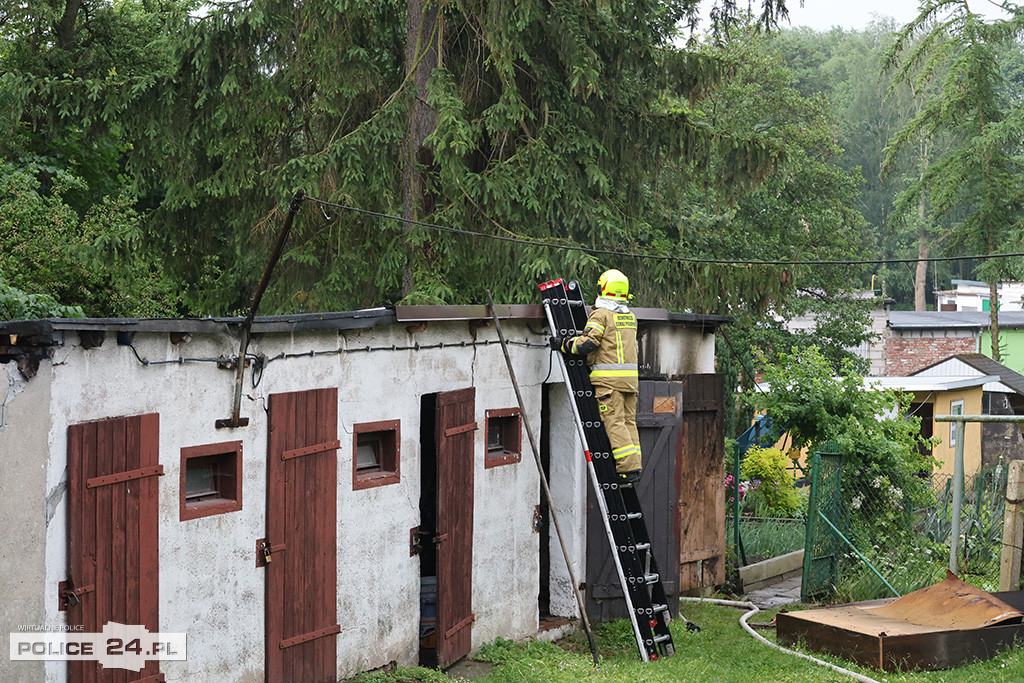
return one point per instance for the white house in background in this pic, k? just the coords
(376, 505)
(971, 295)
(870, 350)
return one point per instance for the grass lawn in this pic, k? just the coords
(722, 651)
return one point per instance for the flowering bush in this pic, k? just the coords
(745, 488)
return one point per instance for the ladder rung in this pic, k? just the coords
(662, 638)
(651, 578)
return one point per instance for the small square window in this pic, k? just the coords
(955, 408)
(211, 480)
(375, 448)
(504, 437)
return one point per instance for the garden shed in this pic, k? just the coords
(376, 503)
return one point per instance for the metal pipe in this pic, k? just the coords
(958, 494)
(979, 418)
(544, 481)
(243, 343)
(854, 548)
(599, 495)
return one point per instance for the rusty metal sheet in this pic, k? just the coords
(938, 627)
(950, 605)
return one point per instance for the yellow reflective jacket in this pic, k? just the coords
(609, 343)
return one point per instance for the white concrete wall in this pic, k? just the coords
(209, 585)
(23, 510)
(568, 482)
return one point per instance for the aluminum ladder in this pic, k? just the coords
(619, 505)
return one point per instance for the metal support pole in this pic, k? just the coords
(544, 483)
(958, 494)
(243, 344)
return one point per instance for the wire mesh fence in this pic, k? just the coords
(762, 538)
(876, 533)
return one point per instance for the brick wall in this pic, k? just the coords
(904, 355)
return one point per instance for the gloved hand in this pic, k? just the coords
(555, 343)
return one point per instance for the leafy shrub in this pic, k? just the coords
(775, 491)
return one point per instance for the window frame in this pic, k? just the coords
(229, 498)
(506, 456)
(389, 470)
(954, 407)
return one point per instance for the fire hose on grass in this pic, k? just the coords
(754, 609)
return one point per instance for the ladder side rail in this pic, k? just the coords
(598, 493)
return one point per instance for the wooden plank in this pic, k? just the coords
(327, 475)
(105, 587)
(118, 565)
(273, 578)
(133, 446)
(455, 468)
(1013, 528)
(461, 429)
(149, 531)
(312, 635)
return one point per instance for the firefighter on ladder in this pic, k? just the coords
(609, 343)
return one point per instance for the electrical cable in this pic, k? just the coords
(662, 257)
(754, 609)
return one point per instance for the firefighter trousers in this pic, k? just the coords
(618, 412)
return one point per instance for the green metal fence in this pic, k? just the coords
(873, 533)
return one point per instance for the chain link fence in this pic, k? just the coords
(873, 533)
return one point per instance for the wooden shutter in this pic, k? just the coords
(455, 423)
(113, 468)
(302, 507)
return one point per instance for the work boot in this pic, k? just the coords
(630, 477)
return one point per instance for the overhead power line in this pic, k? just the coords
(663, 257)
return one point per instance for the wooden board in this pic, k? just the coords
(301, 582)
(112, 532)
(455, 465)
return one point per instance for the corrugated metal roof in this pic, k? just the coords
(933, 320)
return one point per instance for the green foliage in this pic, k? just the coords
(950, 55)
(16, 304)
(98, 262)
(868, 423)
(775, 490)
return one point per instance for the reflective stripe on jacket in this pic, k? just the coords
(609, 342)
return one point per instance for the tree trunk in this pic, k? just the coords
(921, 274)
(422, 54)
(65, 28)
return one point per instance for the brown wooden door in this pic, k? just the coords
(701, 494)
(113, 468)
(658, 421)
(301, 581)
(455, 424)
